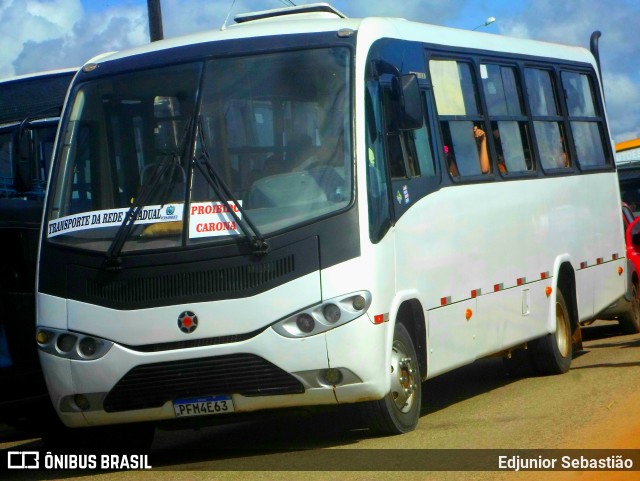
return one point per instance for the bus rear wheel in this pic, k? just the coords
(552, 353)
(399, 410)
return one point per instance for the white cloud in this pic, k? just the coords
(62, 14)
(51, 34)
(33, 21)
(622, 94)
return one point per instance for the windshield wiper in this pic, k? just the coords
(167, 166)
(222, 191)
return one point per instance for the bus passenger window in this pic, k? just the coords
(512, 146)
(551, 145)
(509, 125)
(461, 122)
(465, 148)
(586, 124)
(548, 122)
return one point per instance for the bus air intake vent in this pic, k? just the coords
(167, 287)
(227, 280)
(152, 385)
(170, 280)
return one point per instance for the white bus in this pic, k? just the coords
(304, 209)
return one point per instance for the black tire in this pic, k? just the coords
(398, 412)
(552, 353)
(630, 321)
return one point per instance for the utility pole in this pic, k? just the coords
(155, 20)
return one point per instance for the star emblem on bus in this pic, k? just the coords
(187, 322)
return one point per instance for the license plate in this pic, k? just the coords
(203, 406)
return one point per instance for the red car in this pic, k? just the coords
(627, 309)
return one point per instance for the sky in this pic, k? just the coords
(38, 35)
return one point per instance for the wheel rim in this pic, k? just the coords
(562, 330)
(403, 381)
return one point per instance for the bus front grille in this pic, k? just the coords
(172, 279)
(151, 385)
(198, 282)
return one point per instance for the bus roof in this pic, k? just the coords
(39, 75)
(34, 95)
(303, 19)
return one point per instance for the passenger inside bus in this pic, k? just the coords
(502, 166)
(481, 148)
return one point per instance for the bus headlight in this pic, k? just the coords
(331, 313)
(88, 346)
(305, 323)
(65, 342)
(327, 315)
(71, 345)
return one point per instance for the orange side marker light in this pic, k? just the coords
(468, 313)
(620, 271)
(548, 290)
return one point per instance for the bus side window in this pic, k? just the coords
(509, 125)
(584, 119)
(402, 164)
(548, 123)
(6, 164)
(81, 193)
(459, 113)
(396, 156)
(377, 186)
(421, 140)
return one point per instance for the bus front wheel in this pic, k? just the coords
(399, 410)
(552, 353)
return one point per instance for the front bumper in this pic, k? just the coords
(270, 371)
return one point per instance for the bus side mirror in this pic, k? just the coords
(411, 115)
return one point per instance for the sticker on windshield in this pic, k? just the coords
(209, 219)
(113, 218)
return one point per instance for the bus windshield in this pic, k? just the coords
(275, 128)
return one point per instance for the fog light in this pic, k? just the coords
(82, 402)
(358, 303)
(66, 342)
(331, 313)
(88, 346)
(305, 323)
(43, 337)
(331, 376)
